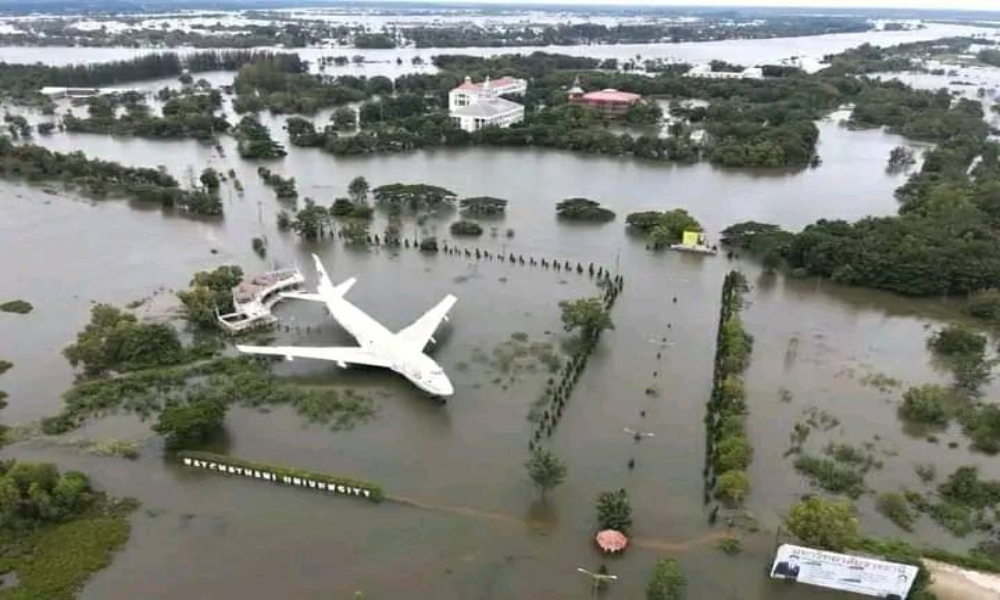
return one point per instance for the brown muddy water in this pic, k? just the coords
(465, 522)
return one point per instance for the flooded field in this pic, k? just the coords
(463, 520)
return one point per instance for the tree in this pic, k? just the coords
(355, 232)
(210, 291)
(586, 314)
(342, 207)
(466, 228)
(545, 469)
(115, 341)
(614, 511)
(732, 453)
(957, 340)
(732, 487)
(344, 118)
(192, 421)
(668, 582)
(826, 524)
(311, 222)
(583, 209)
(483, 206)
(210, 179)
(358, 190)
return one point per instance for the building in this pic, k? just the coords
(74, 93)
(477, 105)
(253, 299)
(609, 102)
(706, 72)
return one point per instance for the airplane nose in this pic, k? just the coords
(444, 387)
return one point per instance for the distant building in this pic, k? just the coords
(706, 72)
(68, 92)
(609, 102)
(477, 105)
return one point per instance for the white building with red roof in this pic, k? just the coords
(477, 105)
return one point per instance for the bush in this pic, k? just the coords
(928, 405)
(733, 453)
(830, 476)
(467, 228)
(956, 340)
(342, 207)
(984, 305)
(895, 507)
(732, 487)
(429, 244)
(826, 524)
(195, 420)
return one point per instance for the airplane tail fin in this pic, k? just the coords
(325, 285)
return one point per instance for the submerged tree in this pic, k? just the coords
(210, 291)
(668, 582)
(587, 315)
(358, 190)
(583, 209)
(193, 421)
(545, 469)
(614, 511)
(312, 221)
(115, 340)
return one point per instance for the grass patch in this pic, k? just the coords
(830, 476)
(20, 307)
(896, 508)
(54, 562)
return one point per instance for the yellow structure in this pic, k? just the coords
(693, 238)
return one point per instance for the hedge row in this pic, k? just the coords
(728, 451)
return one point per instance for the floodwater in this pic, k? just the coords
(808, 50)
(464, 521)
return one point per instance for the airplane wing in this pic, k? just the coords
(422, 330)
(342, 356)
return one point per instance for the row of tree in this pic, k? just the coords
(727, 447)
(102, 179)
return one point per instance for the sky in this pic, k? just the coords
(990, 5)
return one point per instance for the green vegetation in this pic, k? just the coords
(193, 421)
(930, 405)
(344, 119)
(482, 207)
(55, 530)
(830, 476)
(20, 307)
(614, 511)
(418, 197)
(259, 246)
(826, 524)
(895, 507)
(545, 469)
(101, 179)
(667, 582)
(5, 365)
(188, 114)
(588, 315)
(373, 40)
(662, 229)
(312, 221)
(284, 189)
(254, 140)
(730, 545)
(210, 291)
(376, 492)
(728, 449)
(465, 227)
(115, 341)
(954, 341)
(582, 209)
(984, 305)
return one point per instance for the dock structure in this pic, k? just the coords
(254, 298)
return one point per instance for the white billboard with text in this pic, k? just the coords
(857, 574)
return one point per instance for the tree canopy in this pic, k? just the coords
(208, 291)
(116, 341)
(545, 469)
(667, 582)
(196, 418)
(825, 524)
(483, 206)
(588, 315)
(415, 197)
(614, 511)
(583, 209)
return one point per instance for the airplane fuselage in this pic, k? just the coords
(405, 359)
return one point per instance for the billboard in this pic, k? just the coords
(867, 576)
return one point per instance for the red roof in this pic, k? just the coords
(610, 95)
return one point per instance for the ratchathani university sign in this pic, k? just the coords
(277, 477)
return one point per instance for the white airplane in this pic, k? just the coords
(403, 352)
